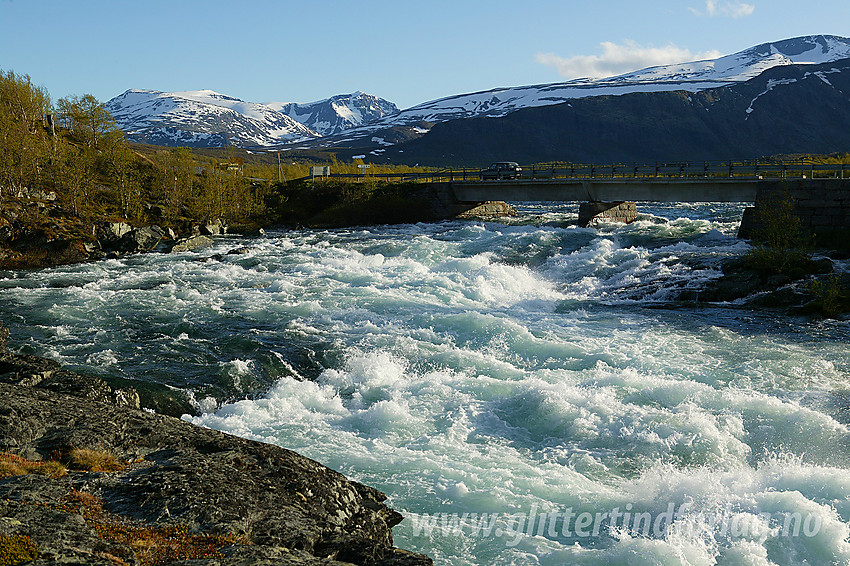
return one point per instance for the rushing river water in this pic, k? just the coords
(525, 393)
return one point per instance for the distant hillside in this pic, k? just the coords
(787, 109)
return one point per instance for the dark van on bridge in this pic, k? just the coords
(501, 170)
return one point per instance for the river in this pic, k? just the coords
(526, 392)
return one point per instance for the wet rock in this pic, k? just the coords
(109, 232)
(32, 371)
(241, 250)
(191, 243)
(279, 507)
(760, 288)
(206, 480)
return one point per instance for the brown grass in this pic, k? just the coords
(94, 461)
(151, 545)
(11, 465)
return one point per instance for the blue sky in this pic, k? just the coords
(405, 51)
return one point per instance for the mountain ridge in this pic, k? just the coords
(372, 125)
(788, 109)
(337, 113)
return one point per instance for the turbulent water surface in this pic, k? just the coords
(525, 393)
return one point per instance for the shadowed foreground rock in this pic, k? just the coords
(272, 505)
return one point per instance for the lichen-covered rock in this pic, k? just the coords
(283, 507)
(191, 243)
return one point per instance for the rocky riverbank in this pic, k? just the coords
(812, 289)
(173, 493)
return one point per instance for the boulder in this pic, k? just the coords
(141, 239)
(215, 228)
(111, 231)
(191, 243)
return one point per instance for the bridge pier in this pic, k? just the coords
(596, 211)
(821, 206)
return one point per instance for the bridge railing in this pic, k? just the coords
(753, 169)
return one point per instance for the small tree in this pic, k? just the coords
(87, 118)
(780, 243)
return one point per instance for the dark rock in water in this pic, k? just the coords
(248, 231)
(762, 288)
(109, 233)
(240, 251)
(490, 210)
(273, 505)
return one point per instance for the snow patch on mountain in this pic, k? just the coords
(693, 77)
(207, 117)
(338, 113)
(201, 118)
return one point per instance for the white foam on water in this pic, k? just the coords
(491, 368)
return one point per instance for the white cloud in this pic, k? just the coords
(733, 9)
(617, 59)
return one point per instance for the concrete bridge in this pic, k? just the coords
(822, 204)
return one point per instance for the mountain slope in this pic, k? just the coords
(201, 119)
(693, 77)
(786, 109)
(338, 113)
(696, 76)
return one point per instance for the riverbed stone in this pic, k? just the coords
(191, 243)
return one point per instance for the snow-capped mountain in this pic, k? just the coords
(201, 119)
(788, 109)
(338, 113)
(693, 77)
(206, 118)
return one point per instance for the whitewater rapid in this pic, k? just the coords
(515, 388)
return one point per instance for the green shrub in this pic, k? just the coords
(830, 297)
(780, 244)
